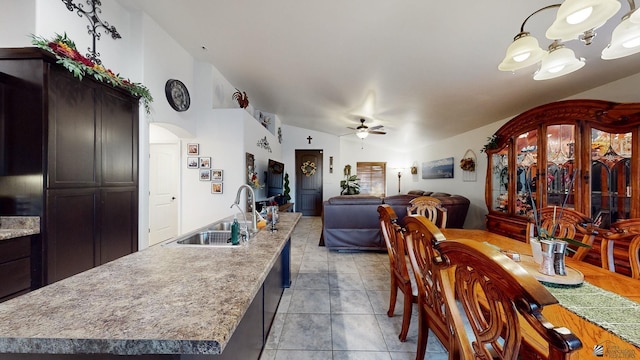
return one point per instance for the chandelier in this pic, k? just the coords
(575, 19)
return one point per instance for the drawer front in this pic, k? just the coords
(16, 248)
(514, 228)
(15, 275)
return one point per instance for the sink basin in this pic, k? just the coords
(208, 238)
(226, 225)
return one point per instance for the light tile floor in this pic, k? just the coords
(337, 307)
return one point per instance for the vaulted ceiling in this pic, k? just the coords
(426, 70)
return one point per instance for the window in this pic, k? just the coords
(372, 177)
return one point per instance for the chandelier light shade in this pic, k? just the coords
(362, 134)
(559, 61)
(575, 17)
(625, 40)
(524, 51)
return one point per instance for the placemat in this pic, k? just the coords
(610, 311)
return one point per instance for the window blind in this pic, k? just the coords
(372, 177)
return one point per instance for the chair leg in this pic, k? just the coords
(423, 333)
(406, 314)
(393, 296)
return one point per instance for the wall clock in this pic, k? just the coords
(177, 95)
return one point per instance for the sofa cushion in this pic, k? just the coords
(400, 199)
(355, 199)
(440, 194)
(415, 192)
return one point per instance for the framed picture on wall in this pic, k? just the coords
(216, 188)
(205, 175)
(438, 169)
(216, 175)
(192, 163)
(193, 149)
(205, 162)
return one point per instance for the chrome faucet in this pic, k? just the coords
(251, 196)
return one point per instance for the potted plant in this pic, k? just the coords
(287, 189)
(349, 185)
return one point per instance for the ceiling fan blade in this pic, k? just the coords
(377, 132)
(352, 128)
(377, 127)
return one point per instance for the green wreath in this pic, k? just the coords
(308, 168)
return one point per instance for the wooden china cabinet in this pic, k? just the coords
(580, 154)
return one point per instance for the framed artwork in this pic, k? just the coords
(205, 175)
(216, 188)
(192, 163)
(193, 149)
(438, 169)
(205, 162)
(216, 175)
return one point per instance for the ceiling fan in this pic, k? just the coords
(362, 131)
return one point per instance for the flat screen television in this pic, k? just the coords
(275, 179)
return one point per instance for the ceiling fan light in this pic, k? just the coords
(362, 134)
(558, 62)
(574, 17)
(524, 51)
(625, 41)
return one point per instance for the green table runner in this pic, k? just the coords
(610, 311)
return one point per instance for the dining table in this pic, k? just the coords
(608, 328)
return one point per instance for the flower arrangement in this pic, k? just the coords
(467, 164)
(253, 180)
(68, 56)
(308, 168)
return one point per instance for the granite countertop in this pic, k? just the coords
(161, 300)
(16, 226)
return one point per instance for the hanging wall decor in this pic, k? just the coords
(468, 166)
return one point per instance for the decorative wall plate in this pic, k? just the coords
(177, 95)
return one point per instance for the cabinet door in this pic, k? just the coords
(118, 223)
(119, 118)
(73, 130)
(70, 232)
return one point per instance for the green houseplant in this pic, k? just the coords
(349, 185)
(287, 189)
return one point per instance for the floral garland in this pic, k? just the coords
(308, 168)
(467, 164)
(68, 56)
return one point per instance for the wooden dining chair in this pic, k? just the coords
(568, 224)
(429, 207)
(420, 235)
(401, 279)
(487, 296)
(623, 232)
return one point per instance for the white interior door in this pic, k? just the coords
(164, 170)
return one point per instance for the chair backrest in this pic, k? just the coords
(420, 235)
(393, 238)
(491, 291)
(568, 223)
(628, 229)
(429, 207)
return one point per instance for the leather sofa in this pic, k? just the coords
(352, 221)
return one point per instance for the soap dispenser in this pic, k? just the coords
(235, 231)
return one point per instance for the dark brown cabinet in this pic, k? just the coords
(15, 267)
(69, 155)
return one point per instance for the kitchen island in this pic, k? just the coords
(163, 302)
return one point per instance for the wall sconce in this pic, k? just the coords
(414, 170)
(330, 164)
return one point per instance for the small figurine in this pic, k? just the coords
(242, 98)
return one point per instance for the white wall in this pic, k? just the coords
(17, 21)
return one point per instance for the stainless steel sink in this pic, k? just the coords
(226, 225)
(208, 238)
(215, 235)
